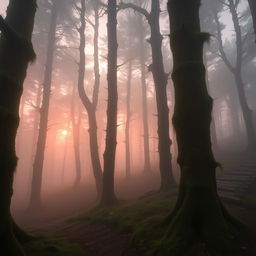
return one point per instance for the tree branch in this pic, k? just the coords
(135, 7)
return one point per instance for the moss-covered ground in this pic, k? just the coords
(142, 219)
(45, 245)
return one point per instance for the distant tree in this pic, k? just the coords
(16, 52)
(142, 57)
(199, 215)
(236, 69)
(160, 81)
(76, 123)
(35, 197)
(108, 191)
(252, 4)
(89, 105)
(128, 121)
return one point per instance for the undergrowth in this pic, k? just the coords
(142, 219)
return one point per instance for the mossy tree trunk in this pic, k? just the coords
(35, 197)
(108, 190)
(15, 41)
(199, 215)
(160, 82)
(89, 105)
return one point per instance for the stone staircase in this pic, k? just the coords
(233, 184)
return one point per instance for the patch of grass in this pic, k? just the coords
(45, 245)
(141, 218)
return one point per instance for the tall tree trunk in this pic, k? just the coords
(199, 215)
(128, 120)
(64, 160)
(247, 112)
(34, 136)
(213, 124)
(237, 72)
(15, 41)
(76, 123)
(35, 197)
(160, 81)
(147, 164)
(108, 191)
(90, 106)
(96, 6)
(252, 4)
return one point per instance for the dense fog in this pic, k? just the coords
(66, 110)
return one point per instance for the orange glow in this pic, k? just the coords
(64, 132)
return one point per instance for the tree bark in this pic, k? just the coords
(35, 197)
(15, 41)
(252, 4)
(199, 215)
(108, 191)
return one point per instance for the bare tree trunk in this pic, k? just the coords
(76, 123)
(199, 215)
(147, 164)
(128, 120)
(90, 106)
(35, 197)
(64, 160)
(15, 40)
(237, 72)
(35, 135)
(160, 81)
(108, 191)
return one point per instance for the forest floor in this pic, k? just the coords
(129, 229)
(132, 229)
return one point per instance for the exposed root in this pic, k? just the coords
(201, 219)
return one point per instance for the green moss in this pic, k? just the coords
(50, 246)
(142, 218)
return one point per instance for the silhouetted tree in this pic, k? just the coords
(15, 41)
(35, 197)
(160, 81)
(199, 214)
(108, 191)
(89, 105)
(236, 70)
(76, 123)
(128, 121)
(142, 57)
